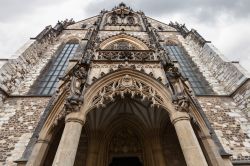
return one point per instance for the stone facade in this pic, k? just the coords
(122, 50)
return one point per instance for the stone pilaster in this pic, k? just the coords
(66, 152)
(38, 153)
(188, 141)
(93, 150)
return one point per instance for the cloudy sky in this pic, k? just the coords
(224, 22)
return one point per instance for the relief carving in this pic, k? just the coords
(126, 85)
(179, 89)
(76, 92)
(125, 55)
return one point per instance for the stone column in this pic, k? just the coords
(38, 153)
(188, 141)
(66, 152)
(215, 158)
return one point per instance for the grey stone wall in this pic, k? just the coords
(242, 99)
(193, 49)
(14, 72)
(223, 75)
(18, 119)
(231, 125)
(18, 74)
(229, 74)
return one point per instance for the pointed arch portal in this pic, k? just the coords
(126, 116)
(135, 43)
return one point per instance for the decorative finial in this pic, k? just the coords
(122, 4)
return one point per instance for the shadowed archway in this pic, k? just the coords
(128, 130)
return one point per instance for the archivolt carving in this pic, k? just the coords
(126, 85)
(122, 45)
(136, 41)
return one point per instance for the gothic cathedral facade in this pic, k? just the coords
(120, 89)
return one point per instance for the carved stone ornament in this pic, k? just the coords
(179, 90)
(122, 10)
(126, 85)
(126, 55)
(78, 81)
(174, 81)
(182, 104)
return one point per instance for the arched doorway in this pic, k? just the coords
(127, 131)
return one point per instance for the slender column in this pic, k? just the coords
(38, 153)
(188, 141)
(215, 158)
(158, 155)
(66, 152)
(157, 150)
(93, 150)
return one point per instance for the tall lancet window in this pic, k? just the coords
(47, 83)
(189, 70)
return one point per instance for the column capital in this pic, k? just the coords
(179, 116)
(43, 141)
(74, 119)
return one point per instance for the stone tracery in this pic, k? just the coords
(126, 85)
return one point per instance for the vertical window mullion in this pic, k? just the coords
(50, 76)
(70, 51)
(50, 79)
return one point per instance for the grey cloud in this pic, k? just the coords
(21, 19)
(205, 10)
(13, 9)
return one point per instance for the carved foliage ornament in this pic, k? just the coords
(76, 92)
(182, 104)
(126, 85)
(177, 86)
(122, 10)
(74, 87)
(126, 55)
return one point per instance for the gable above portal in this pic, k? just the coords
(84, 24)
(160, 26)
